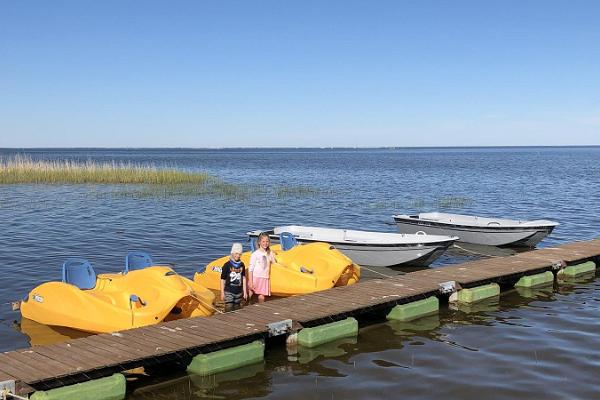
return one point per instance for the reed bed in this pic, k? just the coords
(140, 181)
(22, 170)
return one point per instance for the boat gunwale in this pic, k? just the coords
(475, 228)
(437, 244)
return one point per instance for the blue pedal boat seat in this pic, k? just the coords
(287, 240)
(137, 260)
(253, 245)
(79, 272)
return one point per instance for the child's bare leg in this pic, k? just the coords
(261, 298)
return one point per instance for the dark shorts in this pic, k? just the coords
(232, 299)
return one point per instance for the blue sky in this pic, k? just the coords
(299, 73)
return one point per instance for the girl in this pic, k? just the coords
(260, 268)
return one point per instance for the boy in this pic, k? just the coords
(233, 279)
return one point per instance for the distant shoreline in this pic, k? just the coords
(291, 148)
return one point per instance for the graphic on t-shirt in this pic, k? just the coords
(235, 278)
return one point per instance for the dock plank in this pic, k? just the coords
(31, 368)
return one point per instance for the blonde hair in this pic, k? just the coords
(262, 235)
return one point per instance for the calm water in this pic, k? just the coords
(522, 347)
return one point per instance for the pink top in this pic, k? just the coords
(260, 263)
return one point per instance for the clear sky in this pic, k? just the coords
(298, 73)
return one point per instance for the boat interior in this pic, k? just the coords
(459, 219)
(347, 235)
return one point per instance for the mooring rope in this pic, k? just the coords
(5, 393)
(12, 304)
(377, 272)
(193, 296)
(205, 303)
(475, 252)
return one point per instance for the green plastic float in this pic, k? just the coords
(414, 310)
(109, 388)
(475, 294)
(575, 270)
(311, 337)
(529, 281)
(227, 359)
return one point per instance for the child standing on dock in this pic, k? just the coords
(260, 268)
(233, 279)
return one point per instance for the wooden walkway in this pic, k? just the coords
(77, 360)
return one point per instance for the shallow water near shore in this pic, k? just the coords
(523, 346)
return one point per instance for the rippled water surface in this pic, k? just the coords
(522, 347)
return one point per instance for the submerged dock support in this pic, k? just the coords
(227, 359)
(475, 294)
(414, 310)
(312, 337)
(109, 388)
(529, 281)
(576, 270)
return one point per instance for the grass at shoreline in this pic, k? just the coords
(137, 181)
(21, 170)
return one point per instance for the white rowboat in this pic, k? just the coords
(377, 249)
(478, 230)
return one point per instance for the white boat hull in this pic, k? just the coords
(489, 236)
(382, 255)
(387, 257)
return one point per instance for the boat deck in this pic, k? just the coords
(78, 360)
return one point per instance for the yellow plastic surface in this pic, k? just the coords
(303, 269)
(108, 307)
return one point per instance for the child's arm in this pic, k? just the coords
(250, 269)
(249, 285)
(224, 272)
(244, 284)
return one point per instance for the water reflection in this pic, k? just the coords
(426, 326)
(305, 355)
(40, 334)
(476, 311)
(570, 284)
(240, 383)
(545, 293)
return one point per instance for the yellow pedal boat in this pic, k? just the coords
(113, 302)
(301, 269)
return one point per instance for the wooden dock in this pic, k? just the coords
(78, 360)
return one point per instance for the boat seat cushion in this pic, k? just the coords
(287, 240)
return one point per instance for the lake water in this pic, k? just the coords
(523, 346)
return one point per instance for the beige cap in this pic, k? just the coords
(237, 248)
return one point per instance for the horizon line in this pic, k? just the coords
(304, 147)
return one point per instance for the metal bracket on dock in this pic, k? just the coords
(280, 327)
(448, 287)
(7, 387)
(558, 265)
